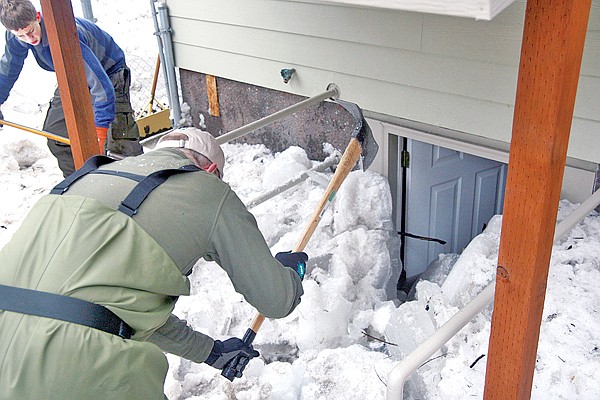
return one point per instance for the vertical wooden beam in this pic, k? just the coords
(551, 53)
(72, 83)
(213, 97)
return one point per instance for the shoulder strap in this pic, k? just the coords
(146, 184)
(90, 165)
(134, 199)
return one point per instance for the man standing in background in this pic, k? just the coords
(107, 75)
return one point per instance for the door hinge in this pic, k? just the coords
(405, 159)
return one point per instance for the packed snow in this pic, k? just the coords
(350, 330)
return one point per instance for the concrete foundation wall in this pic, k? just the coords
(241, 104)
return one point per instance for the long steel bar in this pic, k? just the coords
(327, 163)
(332, 92)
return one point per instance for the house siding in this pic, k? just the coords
(450, 72)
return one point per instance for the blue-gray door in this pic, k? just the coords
(450, 196)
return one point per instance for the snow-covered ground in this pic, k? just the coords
(332, 346)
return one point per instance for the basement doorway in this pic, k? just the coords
(443, 197)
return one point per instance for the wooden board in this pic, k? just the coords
(551, 54)
(72, 83)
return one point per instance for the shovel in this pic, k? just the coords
(153, 120)
(362, 140)
(36, 131)
(361, 143)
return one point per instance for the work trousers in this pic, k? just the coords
(123, 139)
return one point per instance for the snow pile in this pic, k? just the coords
(348, 275)
(26, 170)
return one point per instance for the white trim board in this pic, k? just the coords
(578, 175)
(478, 9)
(448, 143)
(480, 146)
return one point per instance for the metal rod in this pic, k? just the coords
(577, 215)
(332, 92)
(418, 356)
(399, 374)
(328, 162)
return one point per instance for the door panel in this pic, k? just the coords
(444, 217)
(488, 201)
(450, 196)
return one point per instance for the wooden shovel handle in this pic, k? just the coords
(348, 161)
(155, 79)
(36, 131)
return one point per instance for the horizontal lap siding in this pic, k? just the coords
(478, 9)
(456, 73)
(377, 27)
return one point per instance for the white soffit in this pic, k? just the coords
(478, 9)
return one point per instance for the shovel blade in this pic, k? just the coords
(154, 123)
(362, 132)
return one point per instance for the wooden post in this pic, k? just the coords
(551, 53)
(72, 82)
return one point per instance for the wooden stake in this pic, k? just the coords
(72, 83)
(551, 53)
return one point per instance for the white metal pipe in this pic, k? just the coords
(331, 92)
(577, 215)
(328, 162)
(398, 375)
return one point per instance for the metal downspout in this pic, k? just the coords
(158, 40)
(165, 51)
(398, 375)
(86, 6)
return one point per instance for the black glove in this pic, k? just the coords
(223, 352)
(296, 261)
(1, 117)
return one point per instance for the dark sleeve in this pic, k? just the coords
(177, 337)
(240, 249)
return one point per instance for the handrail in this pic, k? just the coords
(398, 375)
(332, 92)
(330, 161)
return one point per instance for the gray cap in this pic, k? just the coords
(198, 140)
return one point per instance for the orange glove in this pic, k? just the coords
(101, 134)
